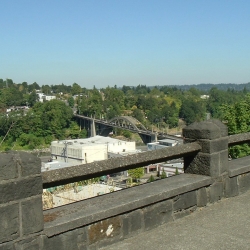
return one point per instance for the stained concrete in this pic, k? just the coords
(223, 225)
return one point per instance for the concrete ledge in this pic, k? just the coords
(69, 217)
(239, 166)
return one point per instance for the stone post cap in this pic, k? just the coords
(211, 129)
(29, 164)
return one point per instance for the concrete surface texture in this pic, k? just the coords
(223, 225)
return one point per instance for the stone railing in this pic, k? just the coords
(106, 219)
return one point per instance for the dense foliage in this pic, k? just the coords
(160, 107)
(39, 126)
(237, 118)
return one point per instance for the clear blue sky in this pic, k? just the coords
(129, 42)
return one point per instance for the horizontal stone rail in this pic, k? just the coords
(238, 139)
(106, 219)
(113, 165)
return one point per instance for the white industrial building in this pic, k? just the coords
(81, 151)
(162, 144)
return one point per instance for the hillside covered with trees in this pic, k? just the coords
(161, 107)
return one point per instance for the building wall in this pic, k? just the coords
(120, 146)
(79, 154)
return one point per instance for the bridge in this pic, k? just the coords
(204, 208)
(104, 127)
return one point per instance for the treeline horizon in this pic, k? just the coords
(56, 87)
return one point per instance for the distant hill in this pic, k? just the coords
(208, 86)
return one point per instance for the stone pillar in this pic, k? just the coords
(93, 132)
(212, 135)
(21, 210)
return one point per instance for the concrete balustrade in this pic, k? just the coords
(104, 220)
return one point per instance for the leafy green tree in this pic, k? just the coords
(127, 134)
(71, 102)
(33, 86)
(138, 114)
(163, 174)
(114, 95)
(136, 173)
(29, 140)
(76, 89)
(154, 115)
(192, 111)
(46, 89)
(151, 178)
(33, 98)
(176, 171)
(171, 114)
(237, 118)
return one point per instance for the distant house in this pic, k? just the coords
(42, 97)
(204, 97)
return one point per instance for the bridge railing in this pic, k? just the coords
(103, 220)
(96, 169)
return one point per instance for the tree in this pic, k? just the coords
(151, 178)
(137, 113)
(163, 174)
(176, 171)
(127, 134)
(71, 101)
(114, 95)
(192, 111)
(136, 173)
(76, 89)
(33, 98)
(237, 118)
(46, 89)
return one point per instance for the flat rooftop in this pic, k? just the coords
(95, 139)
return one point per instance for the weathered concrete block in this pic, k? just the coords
(125, 225)
(231, 187)
(28, 163)
(9, 222)
(132, 222)
(158, 214)
(224, 164)
(214, 146)
(202, 130)
(222, 126)
(104, 229)
(7, 246)
(216, 192)
(32, 215)
(8, 167)
(32, 243)
(202, 198)
(185, 201)
(203, 164)
(20, 189)
(75, 239)
(244, 182)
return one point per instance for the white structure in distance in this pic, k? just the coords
(162, 144)
(87, 150)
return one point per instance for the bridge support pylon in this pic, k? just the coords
(92, 128)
